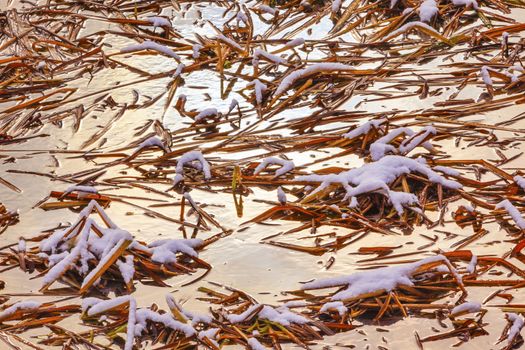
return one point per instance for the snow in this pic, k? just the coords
(428, 10)
(258, 53)
(417, 139)
(62, 266)
(376, 176)
(130, 327)
(81, 189)
(471, 268)
(467, 3)
(159, 21)
(402, 199)
(513, 212)
(144, 315)
(364, 128)
(177, 178)
(407, 26)
(21, 245)
(191, 156)
(196, 48)
(229, 42)
(255, 345)
(363, 282)
(520, 181)
(233, 104)
(96, 306)
(188, 197)
(286, 165)
(267, 9)
(291, 78)
(336, 5)
(447, 171)
(74, 247)
(294, 43)
(179, 70)
(515, 328)
(126, 268)
(381, 147)
(241, 17)
(207, 113)
(27, 305)
(153, 141)
(468, 307)
(513, 77)
(294, 303)
(335, 305)
(282, 316)
(260, 88)
(151, 45)
(103, 261)
(194, 317)
(484, 72)
(165, 251)
(407, 11)
(209, 333)
(281, 196)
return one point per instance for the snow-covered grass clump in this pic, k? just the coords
(88, 250)
(377, 176)
(380, 280)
